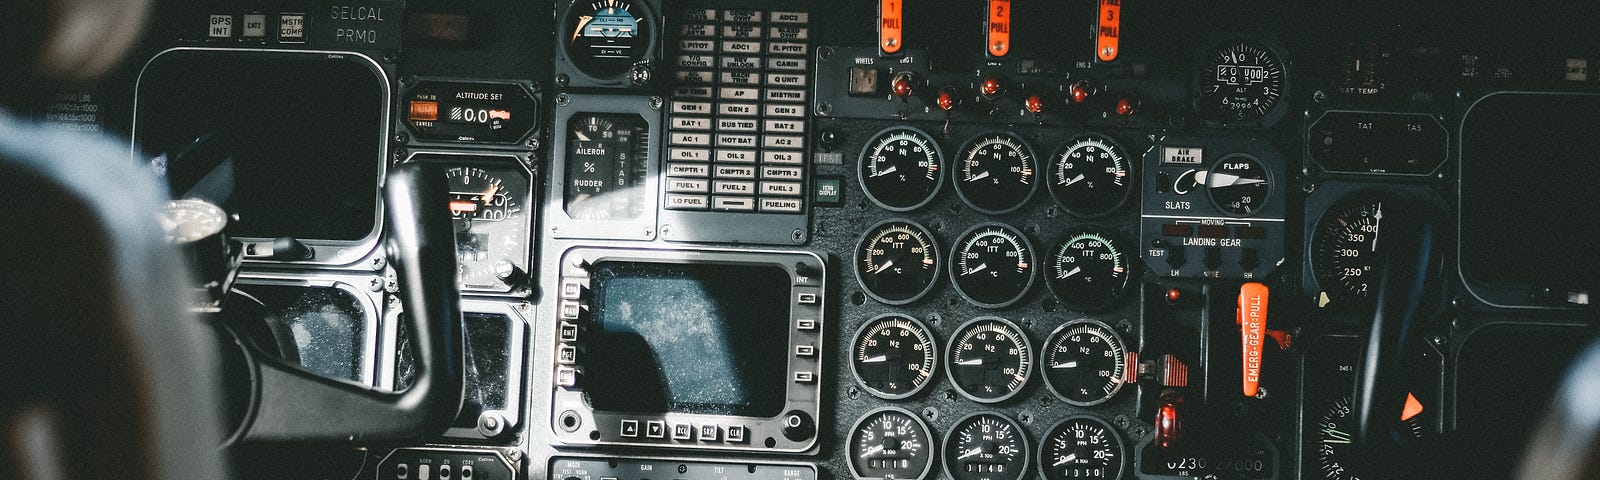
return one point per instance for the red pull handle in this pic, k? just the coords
(1252, 321)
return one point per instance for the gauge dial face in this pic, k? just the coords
(897, 262)
(605, 38)
(189, 220)
(1335, 429)
(1241, 81)
(986, 446)
(1082, 447)
(1089, 176)
(1239, 184)
(1084, 363)
(1089, 271)
(901, 169)
(487, 206)
(894, 356)
(1344, 249)
(890, 443)
(996, 173)
(990, 359)
(992, 265)
(607, 157)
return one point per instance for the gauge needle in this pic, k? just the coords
(1076, 179)
(1068, 458)
(1218, 180)
(1074, 271)
(1377, 220)
(975, 361)
(488, 194)
(968, 453)
(980, 176)
(885, 266)
(877, 359)
(1071, 364)
(886, 171)
(979, 268)
(875, 449)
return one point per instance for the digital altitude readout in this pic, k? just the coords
(471, 112)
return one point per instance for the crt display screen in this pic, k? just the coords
(1528, 177)
(701, 339)
(304, 135)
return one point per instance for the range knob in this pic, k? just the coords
(991, 87)
(902, 83)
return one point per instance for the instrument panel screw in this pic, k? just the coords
(1438, 340)
(376, 284)
(378, 263)
(798, 236)
(930, 413)
(666, 231)
(825, 53)
(1121, 421)
(656, 103)
(563, 99)
(562, 80)
(401, 137)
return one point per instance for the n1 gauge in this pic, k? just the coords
(901, 169)
(897, 262)
(1088, 271)
(1089, 176)
(1082, 447)
(893, 356)
(986, 446)
(996, 174)
(890, 443)
(990, 359)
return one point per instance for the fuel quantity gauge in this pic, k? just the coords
(890, 443)
(897, 262)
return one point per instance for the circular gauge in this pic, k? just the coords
(1084, 363)
(996, 173)
(1241, 81)
(486, 206)
(990, 359)
(1089, 176)
(605, 38)
(1089, 271)
(894, 356)
(890, 443)
(1082, 447)
(607, 158)
(190, 220)
(897, 262)
(1335, 429)
(901, 169)
(986, 446)
(1344, 249)
(1238, 184)
(992, 265)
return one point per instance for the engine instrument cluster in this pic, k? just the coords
(967, 240)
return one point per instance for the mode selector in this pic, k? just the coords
(798, 426)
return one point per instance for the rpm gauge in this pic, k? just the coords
(893, 356)
(607, 157)
(901, 169)
(1241, 81)
(1344, 250)
(992, 265)
(1082, 447)
(1089, 176)
(990, 359)
(890, 443)
(996, 174)
(1088, 272)
(605, 38)
(897, 262)
(1084, 363)
(986, 446)
(1238, 184)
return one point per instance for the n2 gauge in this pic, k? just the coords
(893, 356)
(986, 446)
(890, 443)
(990, 359)
(897, 262)
(1084, 363)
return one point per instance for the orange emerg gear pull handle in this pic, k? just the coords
(1252, 319)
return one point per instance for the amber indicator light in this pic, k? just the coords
(424, 111)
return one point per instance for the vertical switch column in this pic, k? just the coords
(783, 170)
(689, 125)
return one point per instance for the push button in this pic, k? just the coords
(630, 428)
